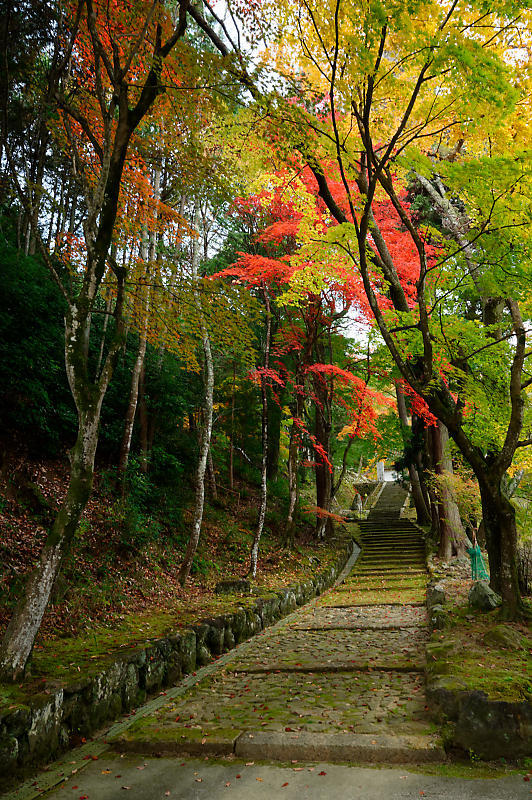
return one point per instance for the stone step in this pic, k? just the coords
(391, 546)
(364, 748)
(372, 570)
(390, 562)
(368, 748)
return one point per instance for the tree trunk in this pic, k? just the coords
(422, 512)
(293, 448)
(274, 435)
(433, 500)
(501, 542)
(323, 474)
(323, 477)
(232, 437)
(133, 397)
(293, 469)
(143, 423)
(445, 546)
(264, 430)
(212, 475)
(205, 438)
(20, 635)
(458, 536)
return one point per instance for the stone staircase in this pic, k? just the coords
(342, 679)
(390, 545)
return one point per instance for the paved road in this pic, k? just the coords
(192, 779)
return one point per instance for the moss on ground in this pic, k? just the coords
(65, 661)
(502, 673)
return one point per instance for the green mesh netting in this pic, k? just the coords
(478, 568)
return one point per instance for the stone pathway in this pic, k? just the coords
(342, 678)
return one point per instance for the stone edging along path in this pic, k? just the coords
(489, 729)
(33, 735)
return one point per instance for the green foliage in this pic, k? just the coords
(35, 399)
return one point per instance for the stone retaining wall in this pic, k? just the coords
(32, 735)
(489, 729)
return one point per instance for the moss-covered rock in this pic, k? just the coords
(438, 618)
(506, 637)
(482, 597)
(435, 595)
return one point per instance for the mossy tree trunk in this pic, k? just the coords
(17, 644)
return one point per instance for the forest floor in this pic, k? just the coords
(120, 589)
(483, 652)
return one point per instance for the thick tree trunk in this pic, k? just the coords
(458, 536)
(205, 438)
(264, 464)
(501, 542)
(433, 500)
(445, 546)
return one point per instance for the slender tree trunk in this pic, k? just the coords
(422, 512)
(323, 474)
(131, 410)
(293, 448)
(232, 440)
(104, 333)
(293, 467)
(274, 435)
(143, 423)
(212, 475)
(205, 438)
(149, 256)
(264, 430)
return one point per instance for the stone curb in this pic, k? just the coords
(489, 729)
(301, 746)
(34, 735)
(333, 747)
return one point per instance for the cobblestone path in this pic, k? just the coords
(341, 678)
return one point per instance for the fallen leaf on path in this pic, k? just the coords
(284, 784)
